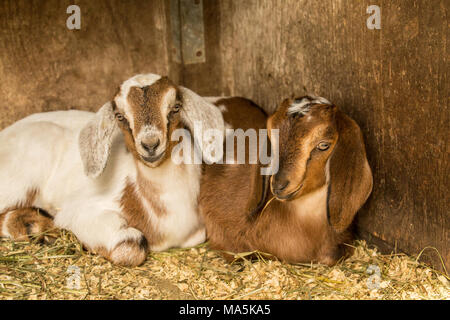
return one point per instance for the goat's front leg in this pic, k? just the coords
(106, 233)
(22, 224)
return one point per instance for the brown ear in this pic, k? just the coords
(350, 175)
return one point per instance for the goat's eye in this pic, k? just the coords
(323, 146)
(119, 116)
(176, 108)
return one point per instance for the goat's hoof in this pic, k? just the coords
(28, 224)
(130, 253)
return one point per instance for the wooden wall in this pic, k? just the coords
(393, 81)
(45, 66)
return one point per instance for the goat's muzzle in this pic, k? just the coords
(152, 159)
(151, 149)
(278, 186)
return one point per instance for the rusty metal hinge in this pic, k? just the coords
(188, 34)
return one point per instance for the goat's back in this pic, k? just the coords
(245, 190)
(30, 150)
(40, 154)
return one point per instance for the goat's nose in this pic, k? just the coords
(150, 145)
(279, 185)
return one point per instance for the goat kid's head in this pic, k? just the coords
(147, 109)
(318, 146)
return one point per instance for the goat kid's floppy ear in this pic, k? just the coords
(197, 110)
(95, 141)
(350, 174)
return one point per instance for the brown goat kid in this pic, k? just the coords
(323, 180)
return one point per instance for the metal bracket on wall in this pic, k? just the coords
(188, 34)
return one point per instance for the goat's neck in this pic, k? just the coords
(156, 175)
(169, 175)
(312, 206)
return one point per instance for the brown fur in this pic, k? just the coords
(282, 230)
(128, 253)
(244, 114)
(349, 189)
(27, 222)
(2, 220)
(151, 193)
(298, 138)
(136, 215)
(143, 102)
(131, 253)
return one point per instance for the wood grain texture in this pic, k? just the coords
(208, 75)
(393, 82)
(45, 66)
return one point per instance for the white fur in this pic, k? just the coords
(213, 100)
(222, 108)
(178, 188)
(90, 208)
(149, 131)
(198, 237)
(5, 231)
(312, 206)
(197, 110)
(42, 152)
(305, 104)
(166, 101)
(327, 171)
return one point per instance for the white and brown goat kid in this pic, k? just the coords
(108, 176)
(323, 180)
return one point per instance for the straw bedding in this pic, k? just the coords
(63, 270)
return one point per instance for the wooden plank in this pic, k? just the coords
(207, 77)
(393, 81)
(44, 66)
